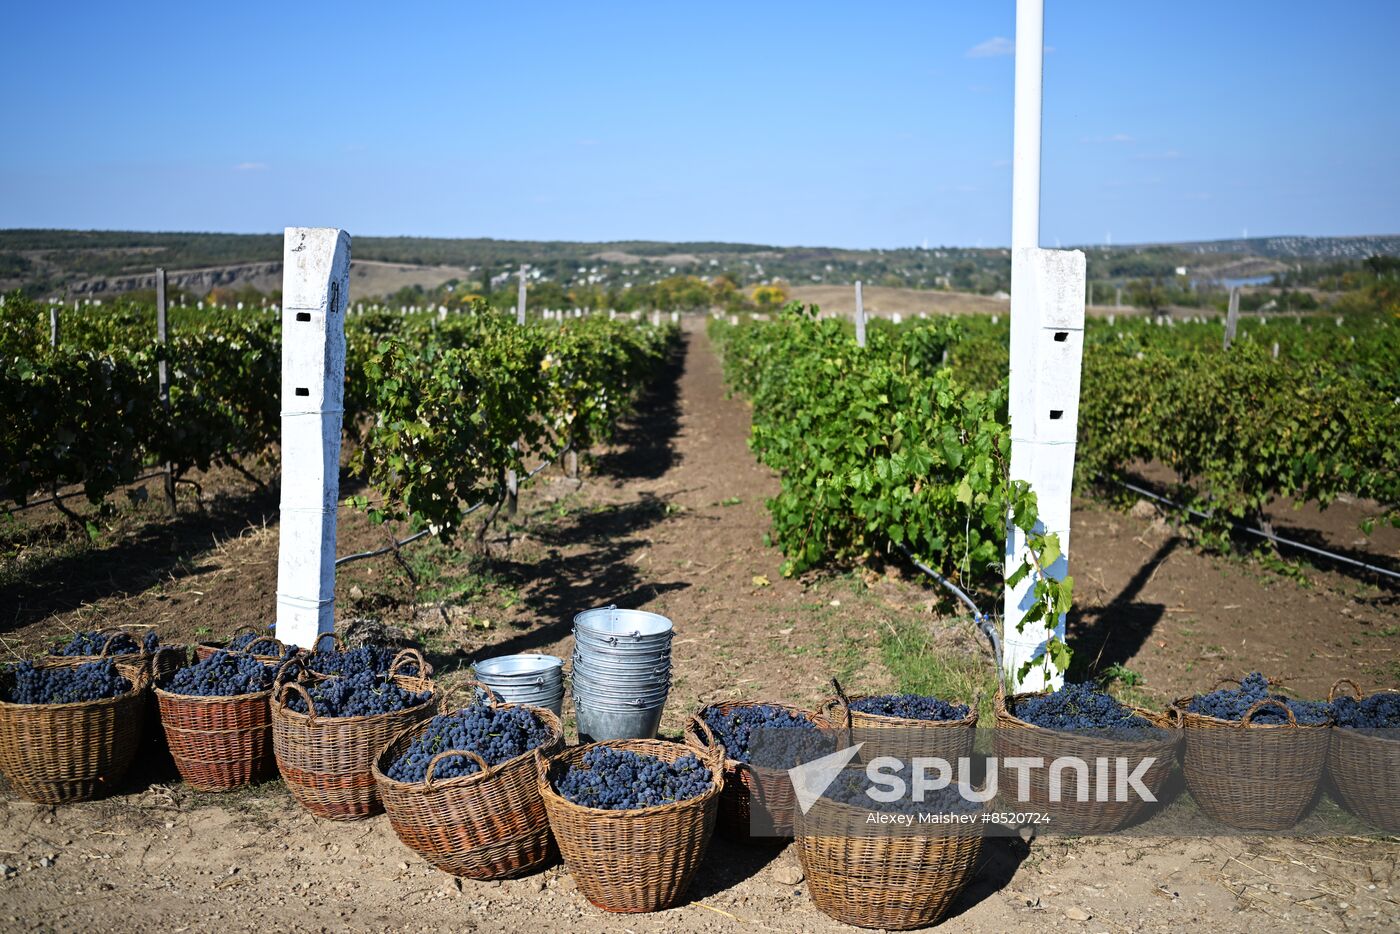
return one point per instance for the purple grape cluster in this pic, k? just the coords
(622, 780)
(1233, 704)
(372, 658)
(254, 643)
(497, 734)
(852, 787)
(223, 674)
(910, 707)
(58, 684)
(767, 736)
(1078, 707)
(1380, 711)
(91, 643)
(362, 693)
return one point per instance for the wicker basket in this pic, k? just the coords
(757, 803)
(631, 861)
(219, 743)
(56, 753)
(491, 825)
(328, 762)
(1016, 737)
(1252, 776)
(203, 650)
(1364, 769)
(895, 882)
(903, 738)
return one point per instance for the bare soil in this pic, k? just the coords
(670, 519)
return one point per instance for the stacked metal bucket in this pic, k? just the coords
(537, 680)
(622, 673)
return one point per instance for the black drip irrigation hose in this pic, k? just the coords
(983, 621)
(53, 499)
(1277, 539)
(423, 533)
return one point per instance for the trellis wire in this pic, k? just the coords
(422, 533)
(1279, 539)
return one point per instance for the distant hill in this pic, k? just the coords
(71, 262)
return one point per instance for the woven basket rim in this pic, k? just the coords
(280, 709)
(135, 689)
(835, 703)
(731, 764)
(1160, 721)
(459, 781)
(635, 745)
(73, 661)
(208, 698)
(1187, 716)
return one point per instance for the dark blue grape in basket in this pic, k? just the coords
(31, 684)
(622, 780)
(497, 734)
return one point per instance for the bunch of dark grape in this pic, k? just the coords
(254, 643)
(497, 734)
(372, 658)
(1077, 707)
(362, 693)
(1232, 704)
(91, 643)
(622, 780)
(63, 685)
(910, 707)
(1379, 711)
(768, 736)
(852, 786)
(223, 674)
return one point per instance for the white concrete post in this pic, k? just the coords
(860, 316)
(1047, 346)
(1232, 317)
(896, 318)
(520, 297)
(53, 326)
(315, 289)
(163, 377)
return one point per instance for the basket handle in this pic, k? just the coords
(1260, 704)
(1224, 681)
(284, 670)
(246, 627)
(846, 703)
(474, 685)
(112, 635)
(337, 643)
(703, 728)
(1355, 690)
(449, 754)
(305, 694)
(414, 656)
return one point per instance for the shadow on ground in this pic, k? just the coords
(644, 447)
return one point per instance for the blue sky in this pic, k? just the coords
(852, 124)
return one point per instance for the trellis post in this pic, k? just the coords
(1232, 317)
(860, 316)
(163, 376)
(1047, 345)
(316, 287)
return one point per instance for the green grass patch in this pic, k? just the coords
(920, 666)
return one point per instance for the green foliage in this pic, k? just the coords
(876, 447)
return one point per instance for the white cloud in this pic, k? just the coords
(997, 45)
(250, 167)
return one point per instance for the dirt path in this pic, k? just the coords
(671, 520)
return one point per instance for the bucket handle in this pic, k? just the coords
(451, 753)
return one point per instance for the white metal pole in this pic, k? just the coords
(1047, 344)
(860, 316)
(316, 289)
(1025, 143)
